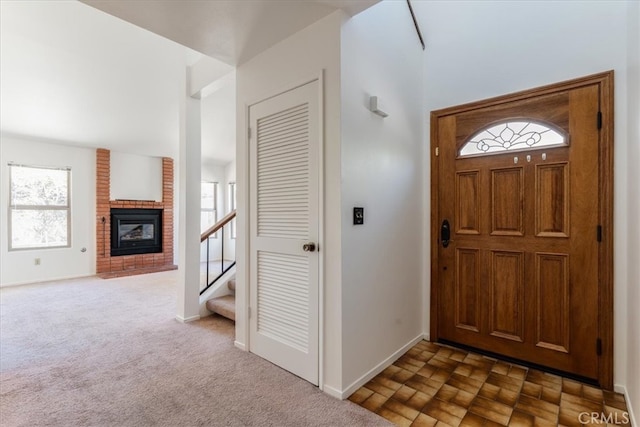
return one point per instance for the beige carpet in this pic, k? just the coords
(93, 352)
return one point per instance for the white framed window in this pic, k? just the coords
(232, 207)
(39, 207)
(208, 206)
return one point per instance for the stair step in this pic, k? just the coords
(224, 306)
(231, 284)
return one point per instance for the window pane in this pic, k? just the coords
(232, 203)
(512, 136)
(38, 228)
(232, 195)
(207, 195)
(38, 186)
(207, 219)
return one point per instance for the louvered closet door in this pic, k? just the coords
(284, 197)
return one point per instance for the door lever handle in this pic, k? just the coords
(309, 247)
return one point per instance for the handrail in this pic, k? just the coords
(218, 225)
(225, 265)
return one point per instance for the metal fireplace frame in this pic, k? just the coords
(143, 246)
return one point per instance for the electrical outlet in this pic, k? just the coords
(36, 261)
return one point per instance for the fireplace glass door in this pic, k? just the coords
(136, 231)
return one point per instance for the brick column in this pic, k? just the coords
(108, 266)
(103, 223)
(167, 217)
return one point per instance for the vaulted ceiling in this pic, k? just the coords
(231, 31)
(71, 73)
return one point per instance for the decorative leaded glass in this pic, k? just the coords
(512, 136)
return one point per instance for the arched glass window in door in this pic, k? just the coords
(513, 135)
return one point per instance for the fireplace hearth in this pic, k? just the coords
(136, 231)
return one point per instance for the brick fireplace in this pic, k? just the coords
(125, 265)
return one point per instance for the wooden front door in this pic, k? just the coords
(521, 205)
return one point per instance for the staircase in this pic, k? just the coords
(213, 295)
(225, 305)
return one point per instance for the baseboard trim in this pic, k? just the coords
(426, 337)
(188, 319)
(619, 388)
(45, 281)
(376, 370)
(333, 392)
(240, 345)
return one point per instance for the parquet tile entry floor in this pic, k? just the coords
(435, 385)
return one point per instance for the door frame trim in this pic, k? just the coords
(605, 183)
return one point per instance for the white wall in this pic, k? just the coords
(18, 266)
(633, 159)
(204, 71)
(219, 122)
(135, 177)
(72, 73)
(303, 56)
(477, 50)
(382, 166)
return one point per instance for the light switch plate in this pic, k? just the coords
(358, 216)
